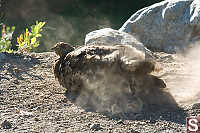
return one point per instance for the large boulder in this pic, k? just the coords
(167, 26)
(111, 37)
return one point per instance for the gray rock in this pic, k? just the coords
(95, 127)
(167, 26)
(108, 36)
(121, 122)
(6, 125)
(111, 37)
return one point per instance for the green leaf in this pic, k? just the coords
(7, 29)
(41, 24)
(13, 28)
(35, 45)
(32, 28)
(38, 35)
(10, 51)
(33, 40)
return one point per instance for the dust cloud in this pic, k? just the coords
(112, 93)
(185, 83)
(107, 83)
(108, 91)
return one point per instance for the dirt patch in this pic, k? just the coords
(31, 100)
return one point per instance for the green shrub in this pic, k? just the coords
(6, 37)
(30, 39)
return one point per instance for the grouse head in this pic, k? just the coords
(62, 49)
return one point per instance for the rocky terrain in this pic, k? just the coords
(31, 100)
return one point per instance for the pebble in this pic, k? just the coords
(142, 123)
(6, 124)
(36, 119)
(95, 127)
(120, 122)
(134, 131)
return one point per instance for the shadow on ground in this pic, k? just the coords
(15, 65)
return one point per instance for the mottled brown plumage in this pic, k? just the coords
(61, 49)
(93, 70)
(90, 58)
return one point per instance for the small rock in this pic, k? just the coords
(17, 70)
(1, 92)
(133, 131)
(6, 125)
(95, 127)
(25, 113)
(152, 121)
(15, 81)
(143, 123)
(36, 119)
(120, 122)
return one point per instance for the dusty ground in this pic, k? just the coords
(31, 100)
